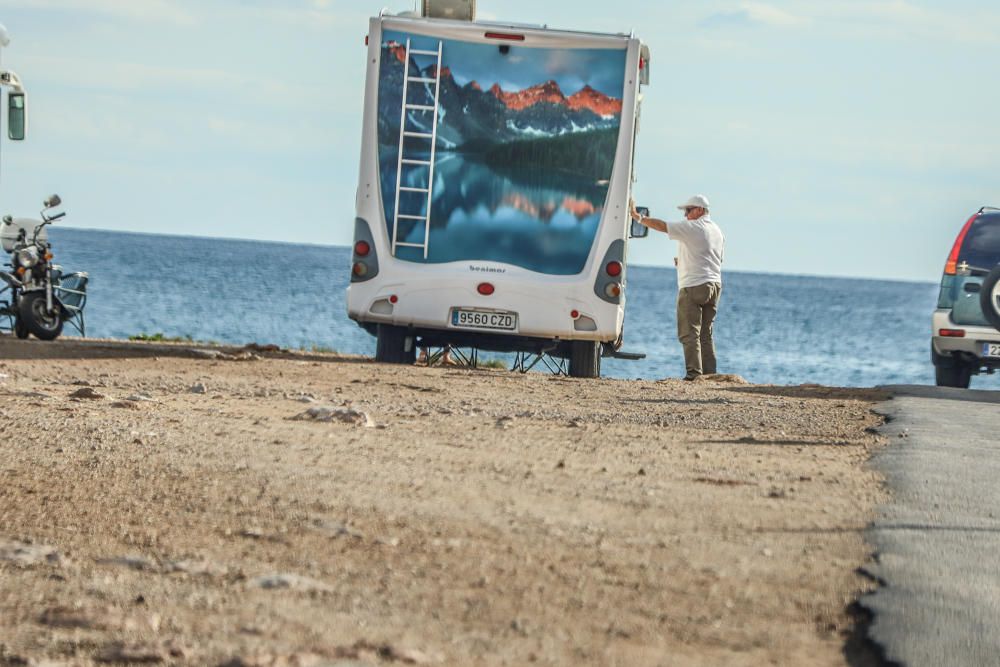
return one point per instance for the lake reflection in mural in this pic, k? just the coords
(525, 151)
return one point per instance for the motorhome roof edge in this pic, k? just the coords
(539, 28)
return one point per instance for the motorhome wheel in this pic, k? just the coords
(395, 345)
(584, 359)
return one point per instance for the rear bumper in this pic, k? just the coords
(969, 346)
(543, 311)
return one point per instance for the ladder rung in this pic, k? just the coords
(411, 217)
(421, 79)
(405, 189)
(419, 107)
(423, 162)
(410, 245)
(419, 135)
(420, 52)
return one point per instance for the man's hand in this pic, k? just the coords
(652, 223)
(633, 211)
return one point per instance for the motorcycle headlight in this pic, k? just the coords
(27, 257)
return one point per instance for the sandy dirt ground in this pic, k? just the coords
(315, 510)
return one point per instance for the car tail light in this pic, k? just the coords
(361, 248)
(951, 266)
(952, 333)
(360, 269)
(613, 290)
(393, 299)
(485, 289)
(613, 269)
(574, 314)
(505, 35)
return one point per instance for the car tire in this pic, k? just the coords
(989, 297)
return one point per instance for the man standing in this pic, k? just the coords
(699, 280)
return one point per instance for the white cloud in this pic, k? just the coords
(148, 11)
(862, 19)
(305, 14)
(124, 77)
(755, 14)
(772, 16)
(900, 17)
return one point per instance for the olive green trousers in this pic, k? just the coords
(696, 309)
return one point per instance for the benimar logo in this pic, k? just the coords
(485, 269)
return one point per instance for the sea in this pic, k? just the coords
(771, 329)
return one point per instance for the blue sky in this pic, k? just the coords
(846, 138)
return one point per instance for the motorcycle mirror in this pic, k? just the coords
(52, 201)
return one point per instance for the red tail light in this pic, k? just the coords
(952, 333)
(361, 248)
(485, 289)
(951, 266)
(505, 35)
(393, 299)
(574, 314)
(613, 269)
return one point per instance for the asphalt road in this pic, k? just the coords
(938, 539)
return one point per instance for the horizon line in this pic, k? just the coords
(348, 247)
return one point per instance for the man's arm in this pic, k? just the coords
(652, 223)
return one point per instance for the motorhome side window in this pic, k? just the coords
(506, 154)
(15, 116)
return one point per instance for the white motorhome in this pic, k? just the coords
(496, 172)
(17, 118)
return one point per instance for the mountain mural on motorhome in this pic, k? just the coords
(472, 116)
(541, 123)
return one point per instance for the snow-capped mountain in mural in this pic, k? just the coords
(471, 117)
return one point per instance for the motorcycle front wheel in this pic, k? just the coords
(37, 319)
(20, 330)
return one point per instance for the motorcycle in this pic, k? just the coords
(42, 299)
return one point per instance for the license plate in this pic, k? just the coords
(991, 349)
(483, 319)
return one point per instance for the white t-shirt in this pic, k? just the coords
(701, 248)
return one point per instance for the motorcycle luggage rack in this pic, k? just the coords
(72, 293)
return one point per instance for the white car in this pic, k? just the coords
(966, 336)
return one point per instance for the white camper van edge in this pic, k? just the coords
(483, 303)
(17, 113)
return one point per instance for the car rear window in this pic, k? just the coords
(981, 249)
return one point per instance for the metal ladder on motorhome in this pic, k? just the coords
(403, 134)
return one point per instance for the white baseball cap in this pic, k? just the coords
(701, 201)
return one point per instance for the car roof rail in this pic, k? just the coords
(989, 208)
